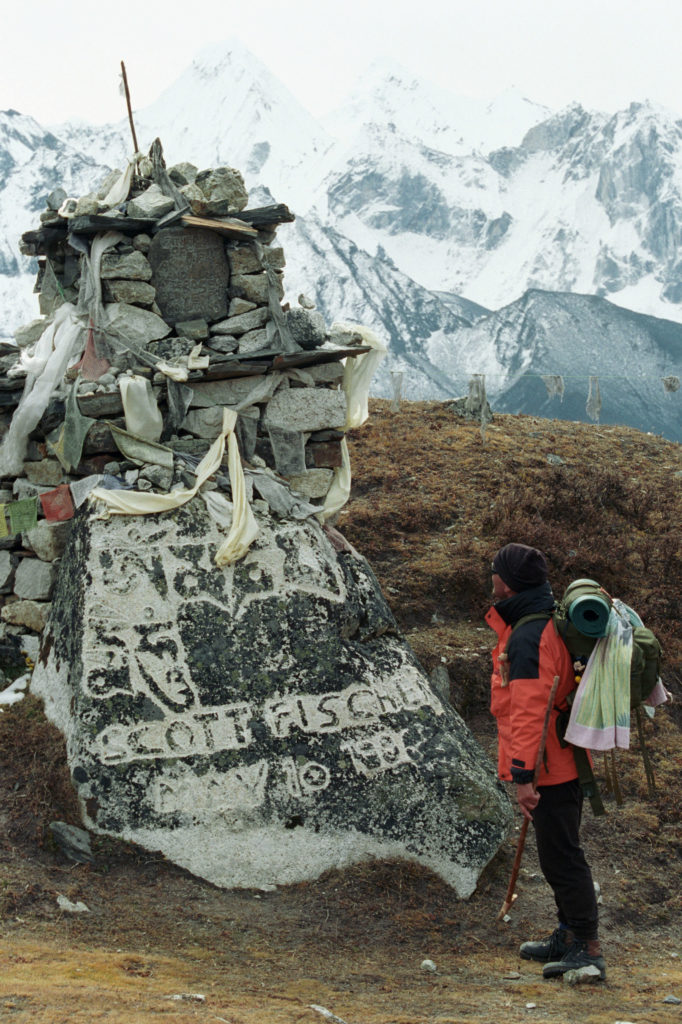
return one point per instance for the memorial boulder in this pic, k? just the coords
(257, 724)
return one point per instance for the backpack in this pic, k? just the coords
(581, 618)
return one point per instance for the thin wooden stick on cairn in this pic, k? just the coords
(130, 109)
(511, 895)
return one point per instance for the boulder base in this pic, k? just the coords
(258, 724)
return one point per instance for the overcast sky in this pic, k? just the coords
(61, 60)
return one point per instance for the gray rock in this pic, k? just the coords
(107, 184)
(47, 471)
(151, 204)
(195, 197)
(253, 287)
(224, 190)
(243, 258)
(582, 975)
(56, 198)
(252, 341)
(221, 392)
(161, 478)
(132, 324)
(206, 423)
(273, 256)
(6, 572)
(314, 483)
(307, 409)
(242, 323)
(326, 373)
(672, 1000)
(136, 293)
(133, 266)
(29, 333)
(197, 330)
(87, 205)
(239, 306)
(183, 173)
(223, 343)
(288, 450)
(73, 842)
(47, 540)
(440, 681)
(23, 488)
(34, 579)
(307, 327)
(142, 242)
(32, 614)
(258, 724)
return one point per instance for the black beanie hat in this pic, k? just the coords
(521, 567)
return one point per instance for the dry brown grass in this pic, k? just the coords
(431, 503)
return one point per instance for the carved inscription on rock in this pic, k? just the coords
(258, 723)
(190, 273)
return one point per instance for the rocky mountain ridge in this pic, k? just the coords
(410, 206)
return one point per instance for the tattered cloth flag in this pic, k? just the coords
(57, 504)
(23, 515)
(593, 407)
(554, 383)
(671, 384)
(4, 532)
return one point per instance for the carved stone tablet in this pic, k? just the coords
(190, 274)
(258, 724)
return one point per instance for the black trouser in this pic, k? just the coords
(557, 833)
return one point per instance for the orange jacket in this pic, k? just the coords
(536, 655)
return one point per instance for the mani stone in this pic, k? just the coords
(190, 274)
(307, 409)
(260, 723)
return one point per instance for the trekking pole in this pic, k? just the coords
(511, 895)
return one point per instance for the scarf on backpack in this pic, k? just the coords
(600, 715)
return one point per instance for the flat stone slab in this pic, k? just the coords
(307, 409)
(190, 274)
(261, 723)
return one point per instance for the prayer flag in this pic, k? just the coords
(57, 504)
(23, 515)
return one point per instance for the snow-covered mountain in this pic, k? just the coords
(419, 213)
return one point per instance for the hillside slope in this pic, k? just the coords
(431, 503)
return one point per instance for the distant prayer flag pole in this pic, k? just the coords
(130, 109)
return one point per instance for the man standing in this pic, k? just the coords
(528, 656)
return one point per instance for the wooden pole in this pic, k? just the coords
(511, 895)
(130, 109)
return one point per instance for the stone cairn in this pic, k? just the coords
(190, 301)
(229, 679)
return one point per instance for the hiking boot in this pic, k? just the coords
(579, 954)
(551, 948)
